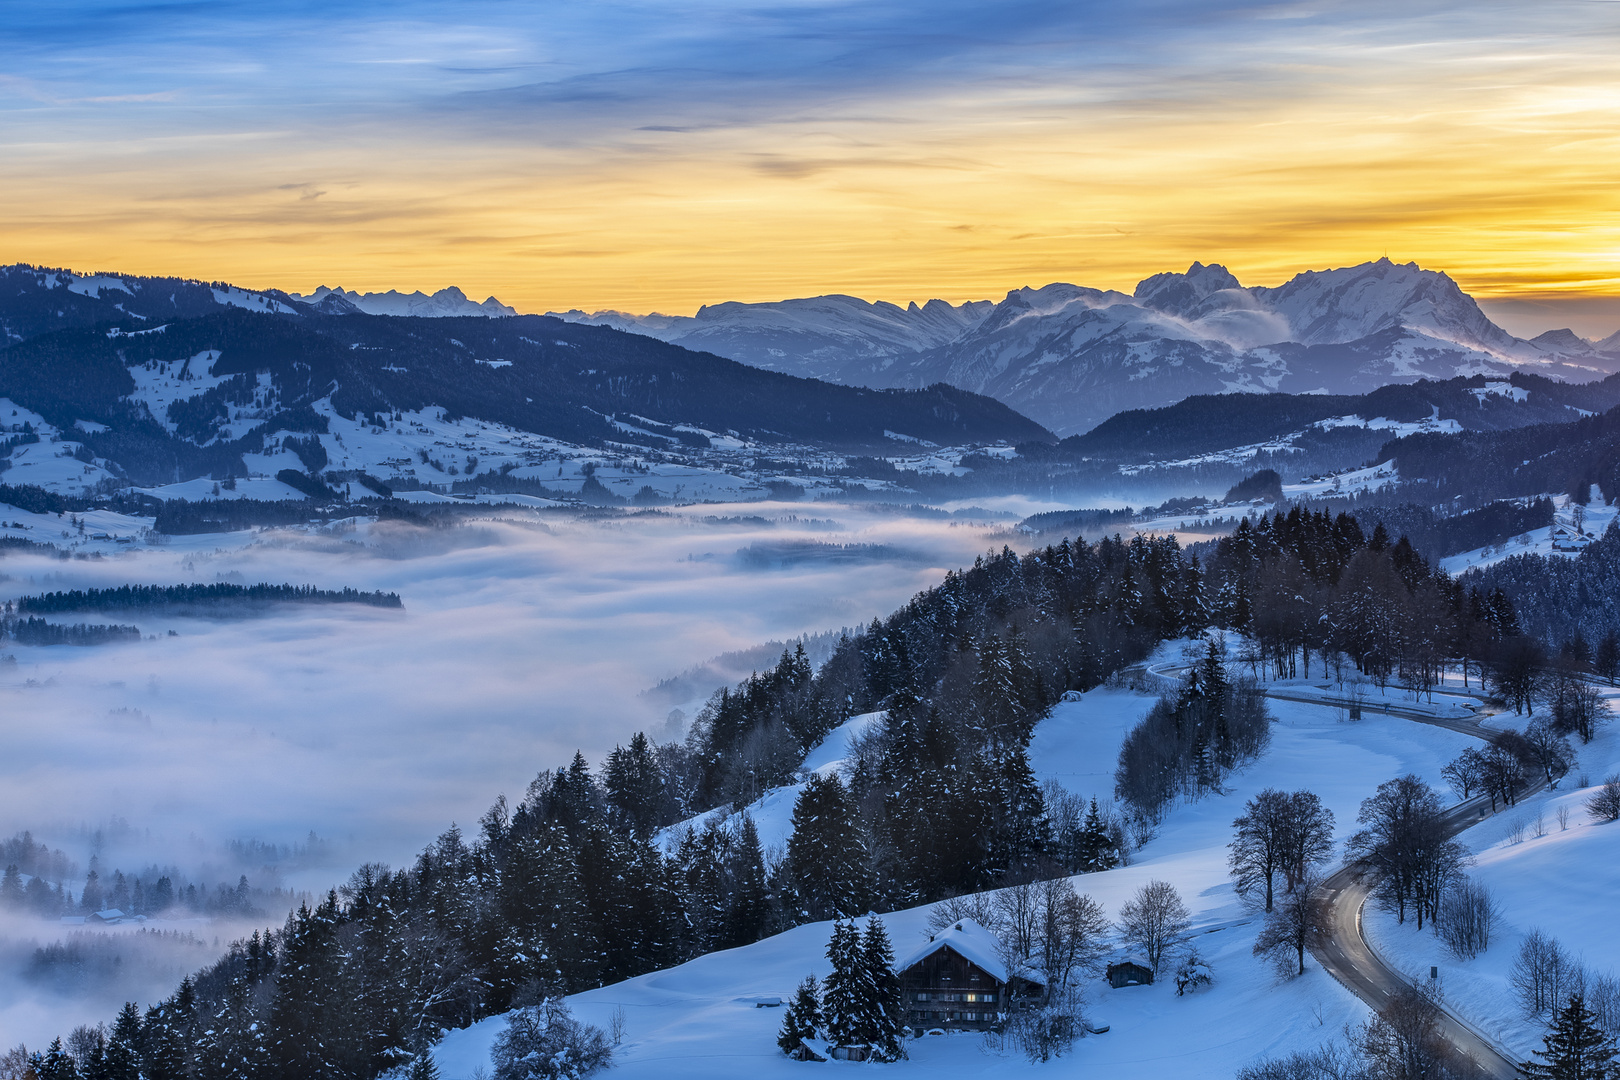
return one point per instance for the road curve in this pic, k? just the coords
(1348, 957)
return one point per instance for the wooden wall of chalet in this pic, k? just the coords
(945, 990)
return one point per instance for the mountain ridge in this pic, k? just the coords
(1069, 356)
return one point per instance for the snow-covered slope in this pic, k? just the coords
(443, 304)
(701, 1019)
(1562, 882)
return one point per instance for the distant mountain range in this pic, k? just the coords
(446, 303)
(1070, 356)
(161, 381)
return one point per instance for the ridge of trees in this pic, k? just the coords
(148, 597)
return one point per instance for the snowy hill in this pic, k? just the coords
(523, 404)
(1070, 356)
(701, 1019)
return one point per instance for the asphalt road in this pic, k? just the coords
(1346, 954)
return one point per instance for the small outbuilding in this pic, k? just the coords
(1130, 971)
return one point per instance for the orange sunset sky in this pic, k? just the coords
(657, 157)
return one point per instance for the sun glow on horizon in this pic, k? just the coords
(661, 173)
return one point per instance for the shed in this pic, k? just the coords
(1130, 971)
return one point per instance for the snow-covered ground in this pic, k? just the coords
(700, 1019)
(1572, 529)
(1563, 882)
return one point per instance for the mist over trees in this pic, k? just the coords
(575, 885)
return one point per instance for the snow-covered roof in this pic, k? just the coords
(1138, 959)
(969, 940)
(109, 914)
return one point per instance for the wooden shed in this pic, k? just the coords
(1129, 971)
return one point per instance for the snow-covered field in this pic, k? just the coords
(1572, 529)
(1563, 882)
(700, 1019)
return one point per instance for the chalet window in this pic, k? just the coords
(922, 997)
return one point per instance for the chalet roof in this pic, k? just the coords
(969, 940)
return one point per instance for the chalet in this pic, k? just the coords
(958, 980)
(1130, 971)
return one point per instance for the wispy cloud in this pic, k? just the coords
(739, 149)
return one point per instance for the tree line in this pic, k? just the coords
(149, 597)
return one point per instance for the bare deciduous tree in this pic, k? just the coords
(1299, 922)
(1155, 921)
(1468, 916)
(1604, 804)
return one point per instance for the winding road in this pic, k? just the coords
(1347, 956)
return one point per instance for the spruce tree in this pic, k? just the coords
(124, 1045)
(843, 999)
(803, 1017)
(55, 1064)
(748, 915)
(1096, 846)
(827, 861)
(11, 889)
(423, 1068)
(884, 1011)
(1576, 1048)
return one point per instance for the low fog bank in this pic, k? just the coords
(54, 977)
(523, 638)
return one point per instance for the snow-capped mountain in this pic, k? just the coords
(841, 338)
(446, 303)
(1070, 356)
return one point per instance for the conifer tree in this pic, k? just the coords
(748, 915)
(843, 998)
(1576, 1048)
(803, 1017)
(423, 1068)
(827, 861)
(1095, 845)
(123, 1061)
(883, 1012)
(11, 889)
(55, 1064)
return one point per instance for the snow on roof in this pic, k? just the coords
(109, 914)
(1132, 958)
(968, 939)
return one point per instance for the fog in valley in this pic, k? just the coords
(288, 746)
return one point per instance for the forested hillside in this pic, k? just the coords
(532, 373)
(566, 887)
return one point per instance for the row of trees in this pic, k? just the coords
(132, 896)
(859, 1003)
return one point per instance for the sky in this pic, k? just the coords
(648, 155)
